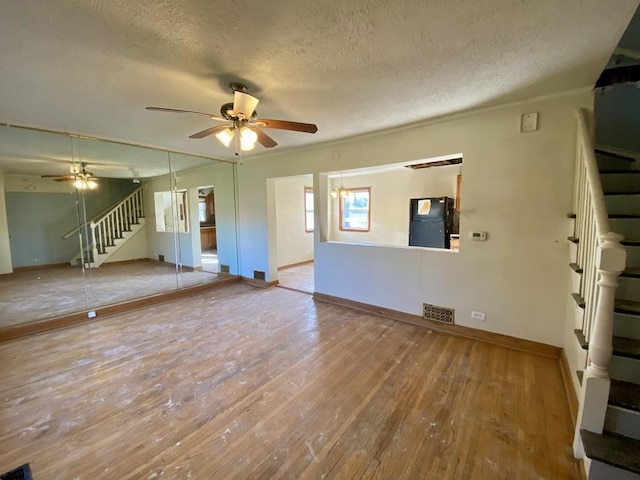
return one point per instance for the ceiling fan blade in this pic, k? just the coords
(173, 110)
(264, 139)
(52, 176)
(208, 131)
(244, 103)
(64, 179)
(285, 125)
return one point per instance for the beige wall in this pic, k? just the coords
(294, 244)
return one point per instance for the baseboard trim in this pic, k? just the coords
(73, 319)
(260, 283)
(38, 267)
(570, 391)
(298, 264)
(498, 339)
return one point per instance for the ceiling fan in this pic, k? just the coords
(83, 180)
(242, 122)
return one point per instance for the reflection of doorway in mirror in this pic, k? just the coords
(208, 233)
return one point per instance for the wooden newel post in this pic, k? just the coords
(611, 259)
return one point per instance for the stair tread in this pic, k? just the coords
(576, 268)
(623, 192)
(625, 395)
(631, 243)
(624, 215)
(614, 155)
(627, 306)
(619, 172)
(622, 346)
(631, 272)
(612, 449)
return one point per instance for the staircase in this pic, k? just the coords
(110, 230)
(607, 199)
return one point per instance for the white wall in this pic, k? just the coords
(517, 187)
(391, 191)
(134, 249)
(221, 176)
(5, 249)
(295, 245)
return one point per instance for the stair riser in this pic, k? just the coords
(628, 288)
(619, 182)
(623, 204)
(633, 258)
(630, 228)
(624, 422)
(602, 471)
(626, 326)
(608, 163)
(626, 369)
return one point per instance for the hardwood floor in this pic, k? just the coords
(245, 383)
(297, 277)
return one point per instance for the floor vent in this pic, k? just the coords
(439, 314)
(20, 473)
(224, 268)
(258, 275)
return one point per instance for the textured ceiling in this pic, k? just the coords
(91, 66)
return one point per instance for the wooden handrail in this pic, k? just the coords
(593, 175)
(100, 215)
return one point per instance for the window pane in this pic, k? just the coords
(355, 210)
(308, 209)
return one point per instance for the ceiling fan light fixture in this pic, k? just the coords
(244, 104)
(248, 139)
(225, 136)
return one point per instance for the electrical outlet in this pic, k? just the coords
(479, 315)
(91, 314)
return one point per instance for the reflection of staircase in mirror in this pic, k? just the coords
(108, 232)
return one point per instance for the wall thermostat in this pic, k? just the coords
(478, 235)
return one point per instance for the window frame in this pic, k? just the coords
(308, 210)
(341, 211)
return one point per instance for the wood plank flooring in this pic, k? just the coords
(243, 383)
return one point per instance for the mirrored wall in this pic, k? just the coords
(86, 223)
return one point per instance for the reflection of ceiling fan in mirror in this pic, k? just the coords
(243, 125)
(82, 180)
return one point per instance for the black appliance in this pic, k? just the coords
(431, 222)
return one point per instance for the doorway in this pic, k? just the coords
(294, 209)
(208, 234)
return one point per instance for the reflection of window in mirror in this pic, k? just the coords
(355, 213)
(308, 209)
(171, 215)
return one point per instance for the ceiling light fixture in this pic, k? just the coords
(85, 183)
(247, 137)
(340, 191)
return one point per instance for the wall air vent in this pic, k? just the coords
(258, 275)
(438, 314)
(224, 268)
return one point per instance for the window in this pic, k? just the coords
(308, 209)
(355, 213)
